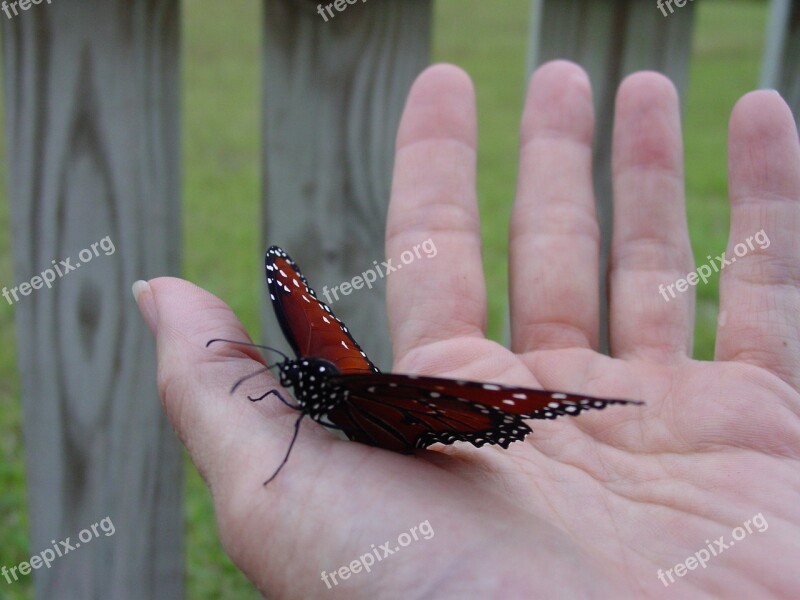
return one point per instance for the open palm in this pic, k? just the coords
(693, 495)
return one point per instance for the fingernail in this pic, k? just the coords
(143, 294)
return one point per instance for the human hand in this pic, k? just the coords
(592, 506)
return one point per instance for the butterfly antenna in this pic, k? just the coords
(250, 344)
(250, 376)
(289, 451)
(256, 373)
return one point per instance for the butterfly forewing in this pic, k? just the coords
(308, 324)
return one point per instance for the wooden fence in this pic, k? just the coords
(92, 114)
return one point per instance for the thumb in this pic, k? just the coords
(194, 382)
(236, 444)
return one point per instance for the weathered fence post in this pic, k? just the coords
(333, 93)
(91, 94)
(781, 67)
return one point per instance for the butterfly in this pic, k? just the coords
(337, 385)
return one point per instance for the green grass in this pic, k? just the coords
(221, 244)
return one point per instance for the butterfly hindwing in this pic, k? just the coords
(403, 412)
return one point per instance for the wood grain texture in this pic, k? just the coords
(91, 94)
(333, 94)
(611, 39)
(781, 66)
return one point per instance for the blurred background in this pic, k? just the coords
(222, 250)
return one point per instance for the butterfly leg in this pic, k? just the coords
(278, 394)
(289, 451)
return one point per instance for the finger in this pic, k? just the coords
(650, 314)
(760, 288)
(554, 237)
(441, 293)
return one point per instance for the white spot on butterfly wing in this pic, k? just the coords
(509, 402)
(558, 396)
(490, 386)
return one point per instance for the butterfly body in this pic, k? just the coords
(336, 384)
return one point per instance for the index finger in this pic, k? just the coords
(439, 293)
